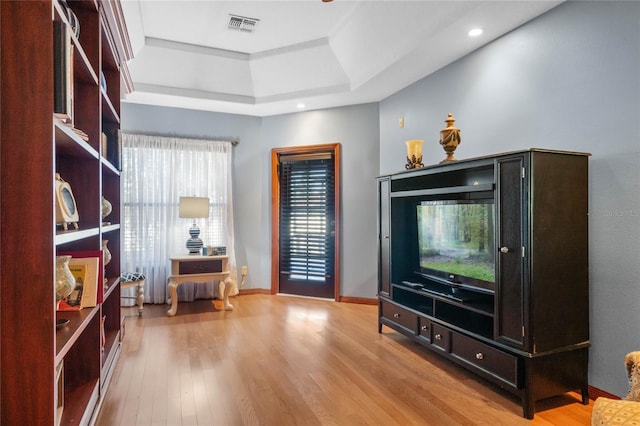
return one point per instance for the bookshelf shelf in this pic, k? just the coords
(69, 334)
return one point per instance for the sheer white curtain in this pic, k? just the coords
(156, 172)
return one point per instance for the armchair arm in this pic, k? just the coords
(632, 362)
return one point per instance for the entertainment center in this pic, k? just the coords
(485, 261)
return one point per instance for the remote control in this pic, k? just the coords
(412, 285)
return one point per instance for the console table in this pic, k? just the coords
(198, 269)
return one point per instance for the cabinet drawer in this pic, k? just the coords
(440, 337)
(200, 266)
(402, 317)
(479, 356)
(424, 329)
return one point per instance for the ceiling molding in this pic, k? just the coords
(291, 48)
(194, 48)
(193, 93)
(341, 88)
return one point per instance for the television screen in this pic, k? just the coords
(456, 240)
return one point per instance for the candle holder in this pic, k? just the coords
(414, 154)
(449, 139)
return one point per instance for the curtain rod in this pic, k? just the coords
(233, 140)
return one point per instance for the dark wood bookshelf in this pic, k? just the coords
(61, 371)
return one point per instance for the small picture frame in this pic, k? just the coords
(66, 208)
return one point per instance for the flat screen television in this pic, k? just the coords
(456, 242)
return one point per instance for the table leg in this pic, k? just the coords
(173, 293)
(140, 297)
(224, 289)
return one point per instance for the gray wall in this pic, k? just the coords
(354, 127)
(568, 80)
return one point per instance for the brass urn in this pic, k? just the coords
(449, 139)
(65, 281)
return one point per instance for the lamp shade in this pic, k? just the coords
(193, 207)
(414, 148)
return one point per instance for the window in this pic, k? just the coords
(156, 172)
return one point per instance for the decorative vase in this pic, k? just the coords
(105, 141)
(65, 281)
(73, 19)
(449, 139)
(106, 258)
(106, 207)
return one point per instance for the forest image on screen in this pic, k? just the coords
(457, 238)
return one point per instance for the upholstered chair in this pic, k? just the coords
(626, 411)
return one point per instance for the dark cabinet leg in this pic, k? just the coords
(585, 395)
(528, 403)
(528, 408)
(379, 327)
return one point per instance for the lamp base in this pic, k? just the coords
(414, 163)
(194, 244)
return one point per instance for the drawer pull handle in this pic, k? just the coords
(479, 356)
(396, 315)
(438, 336)
(424, 328)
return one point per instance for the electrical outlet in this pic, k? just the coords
(401, 122)
(244, 270)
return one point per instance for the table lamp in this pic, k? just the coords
(194, 208)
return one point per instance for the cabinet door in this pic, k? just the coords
(384, 236)
(510, 285)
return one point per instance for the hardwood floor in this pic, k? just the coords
(278, 360)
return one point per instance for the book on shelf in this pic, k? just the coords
(92, 279)
(81, 133)
(64, 118)
(62, 70)
(85, 293)
(114, 152)
(94, 260)
(73, 302)
(103, 337)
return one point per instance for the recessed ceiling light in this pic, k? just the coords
(475, 32)
(300, 105)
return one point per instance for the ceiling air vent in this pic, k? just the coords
(242, 23)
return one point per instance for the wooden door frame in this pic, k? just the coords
(334, 149)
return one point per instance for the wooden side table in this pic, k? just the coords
(198, 269)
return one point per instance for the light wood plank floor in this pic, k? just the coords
(279, 360)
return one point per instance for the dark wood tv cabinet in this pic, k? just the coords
(529, 331)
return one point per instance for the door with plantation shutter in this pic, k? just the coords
(305, 223)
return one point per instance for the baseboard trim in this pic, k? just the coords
(247, 291)
(359, 300)
(342, 299)
(596, 393)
